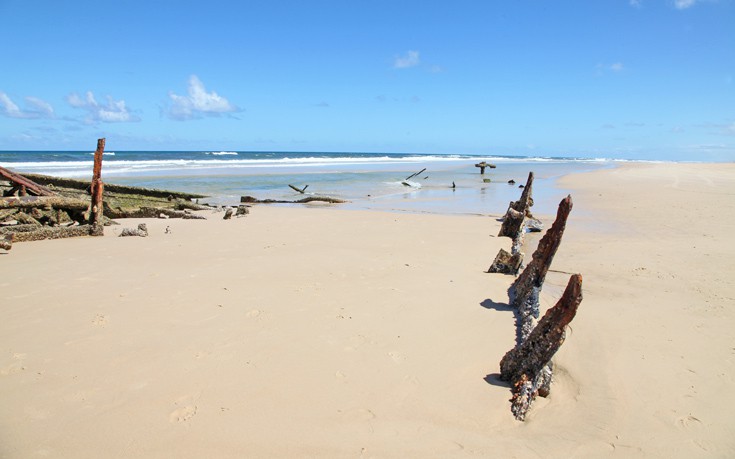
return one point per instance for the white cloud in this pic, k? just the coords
(35, 108)
(411, 59)
(114, 111)
(617, 67)
(684, 4)
(636, 3)
(198, 102)
(40, 106)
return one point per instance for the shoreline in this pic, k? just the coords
(299, 332)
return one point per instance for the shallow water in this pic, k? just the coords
(367, 181)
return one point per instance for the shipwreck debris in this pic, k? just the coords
(242, 210)
(35, 207)
(141, 231)
(505, 262)
(6, 242)
(252, 200)
(527, 366)
(300, 190)
(22, 186)
(524, 292)
(514, 226)
(517, 211)
(483, 165)
(97, 189)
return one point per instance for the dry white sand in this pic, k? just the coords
(299, 332)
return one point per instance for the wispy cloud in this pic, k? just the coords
(410, 59)
(684, 4)
(635, 3)
(198, 102)
(113, 111)
(35, 108)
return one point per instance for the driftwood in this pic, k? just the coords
(525, 290)
(300, 190)
(6, 242)
(527, 366)
(252, 200)
(24, 184)
(97, 189)
(141, 231)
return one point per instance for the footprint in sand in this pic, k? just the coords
(688, 422)
(100, 320)
(186, 410)
(183, 414)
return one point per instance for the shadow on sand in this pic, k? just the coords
(490, 304)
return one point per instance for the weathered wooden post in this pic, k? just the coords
(97, 189)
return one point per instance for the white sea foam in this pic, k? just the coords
(225, 163)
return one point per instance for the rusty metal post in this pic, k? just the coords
(95, 216)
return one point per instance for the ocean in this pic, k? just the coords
(366, 180)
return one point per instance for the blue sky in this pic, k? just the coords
(640, 79)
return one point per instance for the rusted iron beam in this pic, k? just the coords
(97, 189)
(527, 366)
(24, 184)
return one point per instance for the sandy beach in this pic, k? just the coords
(320, 332)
